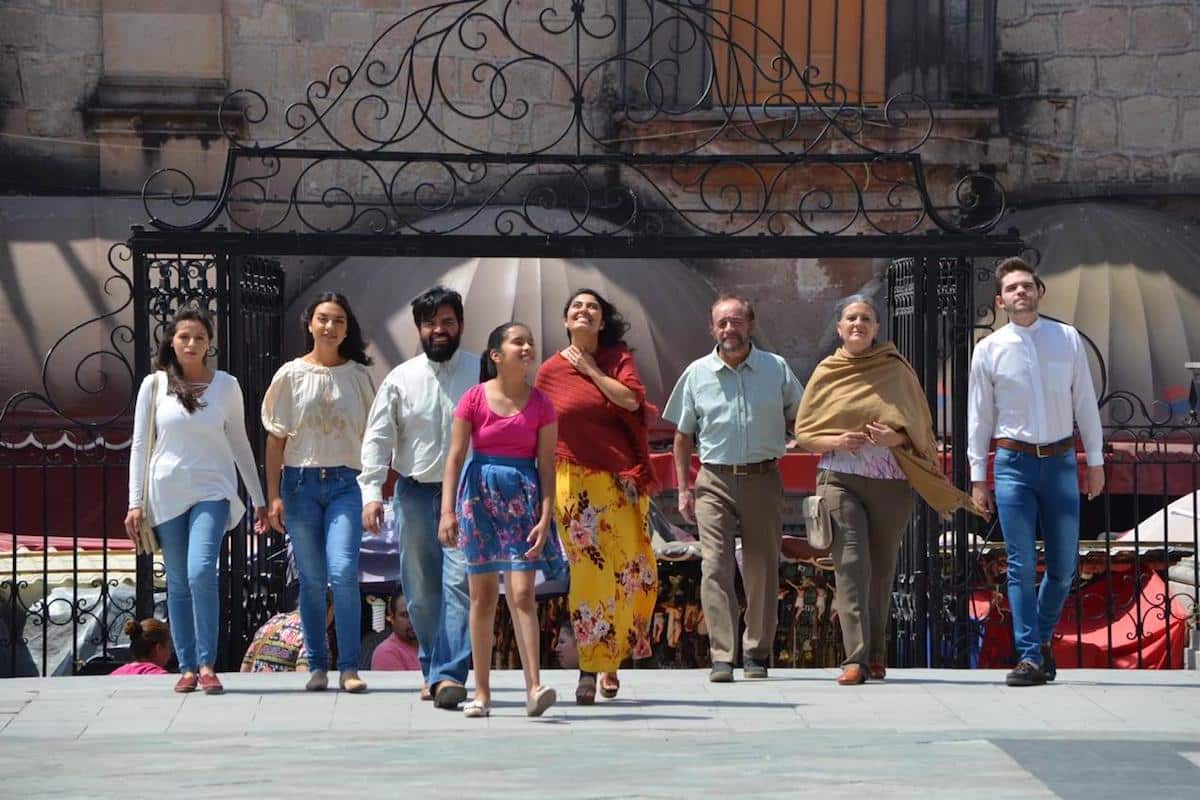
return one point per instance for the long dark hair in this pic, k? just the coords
(166, 361)
(353, 347)
(496, 339)
(615, 326)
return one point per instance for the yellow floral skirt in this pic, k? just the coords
(614, 577)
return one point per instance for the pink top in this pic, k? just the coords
(511, 437)
(393, 653)
(139, 668)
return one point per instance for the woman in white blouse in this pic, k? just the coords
(316, 412)
(191, 488)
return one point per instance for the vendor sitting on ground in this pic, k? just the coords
(149, 646)
(398, 651)
(278, 646)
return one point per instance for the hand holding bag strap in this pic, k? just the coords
(148, 543)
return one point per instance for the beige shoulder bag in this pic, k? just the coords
(818, 524)
(147, 541)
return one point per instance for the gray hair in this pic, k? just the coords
(866, 300)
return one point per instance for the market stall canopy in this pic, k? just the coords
(665, 301)
(1129, 279)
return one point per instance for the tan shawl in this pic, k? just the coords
(846, 392)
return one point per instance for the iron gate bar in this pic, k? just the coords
(529, 245)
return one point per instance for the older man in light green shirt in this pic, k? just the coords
(735, 403)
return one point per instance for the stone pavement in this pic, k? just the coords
(923, 733)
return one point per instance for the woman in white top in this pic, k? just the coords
(191, 489)
(316, 412)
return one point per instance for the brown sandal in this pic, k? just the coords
(609, 690)
(585, 692)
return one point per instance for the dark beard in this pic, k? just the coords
(441, 352)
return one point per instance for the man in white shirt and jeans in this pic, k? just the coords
(1030, 385)
(409, 429)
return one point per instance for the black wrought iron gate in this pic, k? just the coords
(245, 295)
(931, 309)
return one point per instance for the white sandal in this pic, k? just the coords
(542, 699)
(476, 708)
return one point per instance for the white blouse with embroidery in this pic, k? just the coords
(321, 411)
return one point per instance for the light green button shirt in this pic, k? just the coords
(739, 415)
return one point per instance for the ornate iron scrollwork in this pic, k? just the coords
(499, 113)
(46, 445)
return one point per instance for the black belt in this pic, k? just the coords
(757, 468)
(1039, 450)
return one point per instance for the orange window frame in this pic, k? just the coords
(845, 40)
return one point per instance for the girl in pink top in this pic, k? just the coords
(503, 513)
(150, 646)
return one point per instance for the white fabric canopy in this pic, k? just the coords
(666, 303)
(1127, 278)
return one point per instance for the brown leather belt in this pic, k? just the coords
(1039, 450)
(757, 468)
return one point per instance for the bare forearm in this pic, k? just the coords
(617, 393)
(682, 451)
(454, 463)
(275, 446)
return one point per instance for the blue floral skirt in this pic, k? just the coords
(499, 502)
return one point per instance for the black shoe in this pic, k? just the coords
(753, 668)
(1049, 667)
(1026, 673)
(722, 672)
(449, 694)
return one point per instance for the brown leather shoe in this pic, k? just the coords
(211, 684)
(187, 683)
(877, 671)
(852, 675)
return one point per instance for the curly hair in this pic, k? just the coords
(615, 325)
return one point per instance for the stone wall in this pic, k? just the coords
(1096, 91)
(50, 64)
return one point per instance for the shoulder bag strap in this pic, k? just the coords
(151, 441)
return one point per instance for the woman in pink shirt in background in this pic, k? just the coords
(398, 651)
(150, 647)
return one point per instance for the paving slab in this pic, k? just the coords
(922, 734)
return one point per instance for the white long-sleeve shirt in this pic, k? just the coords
(409, 424)
(1031, 383)
(195, 454)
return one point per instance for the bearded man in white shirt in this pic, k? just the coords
(1030, 385)
(408, 429)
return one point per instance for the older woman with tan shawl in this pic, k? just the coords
(866, 413)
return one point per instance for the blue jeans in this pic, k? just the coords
(191, 545)
(1028, 490)
(322, 509)
(434, 580)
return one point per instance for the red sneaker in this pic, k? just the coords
(186, 683)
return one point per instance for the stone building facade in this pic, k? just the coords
(1099, 95)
